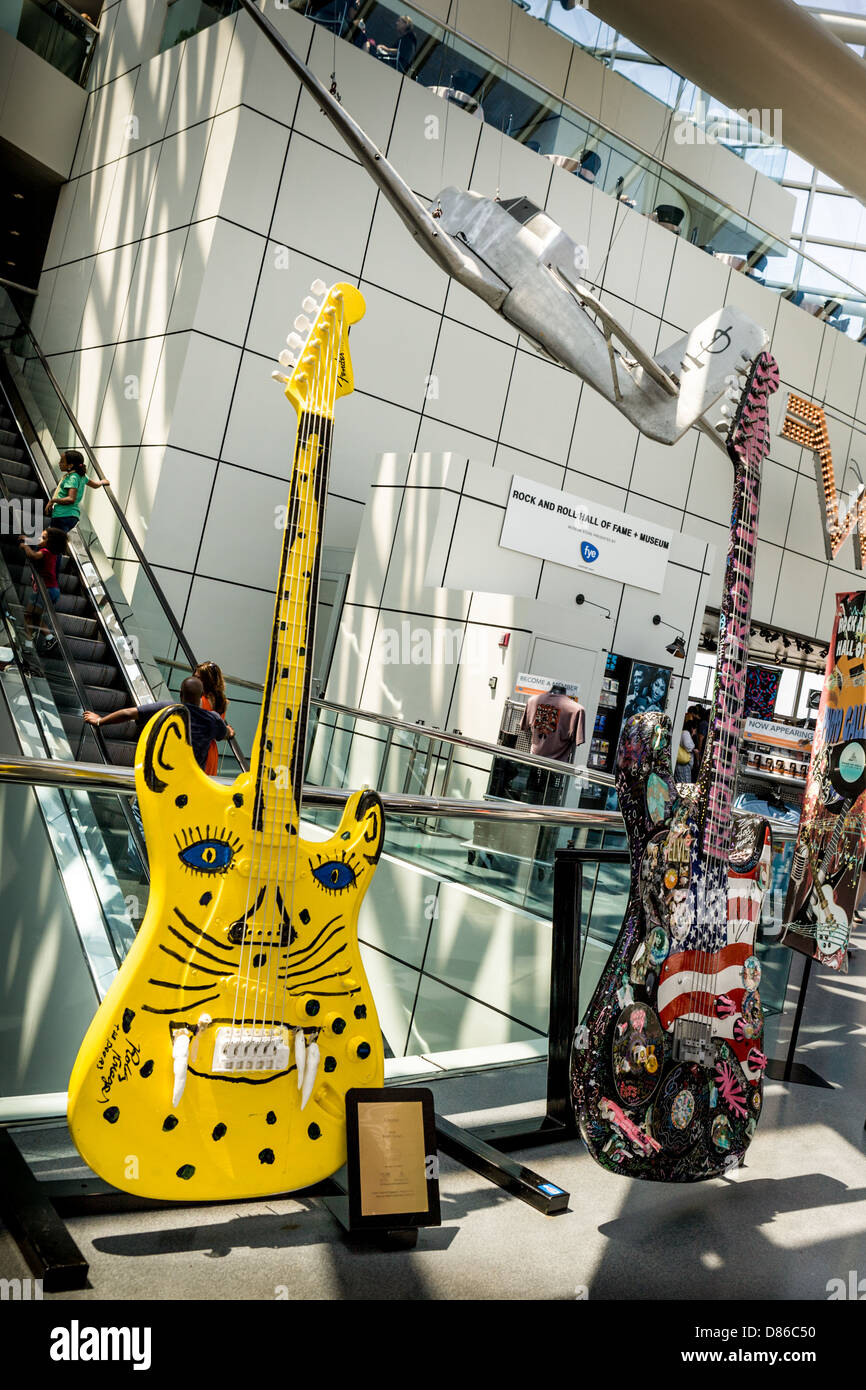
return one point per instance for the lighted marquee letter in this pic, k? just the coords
(806, 424)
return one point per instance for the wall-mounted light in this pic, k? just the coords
(676, 648)
(582, 598)
(504, 640)
(493, 682)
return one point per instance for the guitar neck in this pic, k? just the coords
(719, 767)
(278, 750)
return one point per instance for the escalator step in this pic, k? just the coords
(85, 628)
(23, 487)
(13, 468)
(8, 436)
(95, 673)
(102, 699)
(71, 603)
(122, 754)
(121, 733)
(83, 649)
(11, 451)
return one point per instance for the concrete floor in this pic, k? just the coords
(781, 1228)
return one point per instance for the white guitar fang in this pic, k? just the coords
(300, 1055)
(310, 1073)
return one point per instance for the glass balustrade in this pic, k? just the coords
(54, 31)
(463, 74)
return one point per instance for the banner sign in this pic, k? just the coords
(584, 535)
(785, 735)
(828, 859)
(527, 684)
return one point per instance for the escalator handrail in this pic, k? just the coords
(95, 777)
(118, 511)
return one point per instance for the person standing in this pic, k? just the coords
(64, 507)
(213, 698)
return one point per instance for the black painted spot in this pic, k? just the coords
(346, 835)
(128, 1016)
(170, 1122)
(218, 1131)
(272, 774)
(285, 673)
(270, 1118)
(360, 1010)
(185, 1171)
(205, 899)
(259, 960)
(282, 627)
(302, 651)
(269, 745)
(238, 799)
(304, 916)
(363, 1049)
(147, 1069)
(339, 1025)
(288, 714)
(181, 800)
(111, 1115)
(330, 1064)
(314, 1131)
(312, 1007)
(266, 1156)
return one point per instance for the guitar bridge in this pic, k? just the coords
(693, 1042)
(251, 1049)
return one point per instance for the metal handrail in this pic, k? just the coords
(45, 772)
(578, 770)
(118, 511)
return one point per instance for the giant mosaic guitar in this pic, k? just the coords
(667, 1066)
(218, 1063)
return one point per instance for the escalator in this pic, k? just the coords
(74, 615)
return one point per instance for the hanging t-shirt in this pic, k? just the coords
(557, 725)
(69, 482)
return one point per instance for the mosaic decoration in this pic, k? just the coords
(826, 869)
(806, 424)
(667, 1066)
(762, 688)
(217, 1065)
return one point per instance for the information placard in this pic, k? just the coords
(392, 1162)
(584, 535)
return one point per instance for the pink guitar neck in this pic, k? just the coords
(748, 447)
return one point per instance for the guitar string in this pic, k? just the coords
(289, 767)
(711, 896)
(315, 512)
(257, 779)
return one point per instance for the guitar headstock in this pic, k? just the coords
(748, 441)
(315, 366)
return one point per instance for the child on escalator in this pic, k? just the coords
(44, 560)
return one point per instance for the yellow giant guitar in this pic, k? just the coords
(217, 1065)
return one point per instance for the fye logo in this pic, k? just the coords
(76, 1343)
(588, 551)
(855, 1288)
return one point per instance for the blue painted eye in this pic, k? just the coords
(335, 875)
(207, 856)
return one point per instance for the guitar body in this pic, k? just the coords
(232, 1134)
(217, 1065)
(667, 1065)
(679, 1121)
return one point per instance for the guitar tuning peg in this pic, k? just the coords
(721, 426)
(318, 288)
(302, 324)
(294, 341)
(286, 359)
(278, 376)
(309, 305)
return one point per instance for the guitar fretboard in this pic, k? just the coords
(278, 749)
(719, 770)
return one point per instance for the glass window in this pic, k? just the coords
(796, 169)
(701, 686)
(787, 693)
(801, 198)
(812, 680)
(851, 265)
(838, 217)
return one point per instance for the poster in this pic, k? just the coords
(762, 688)
(585, 535)
(647, 688)
(826, 871)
